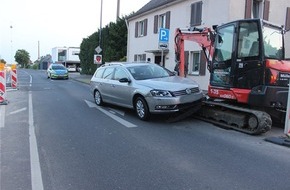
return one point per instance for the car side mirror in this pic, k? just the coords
(124, 80)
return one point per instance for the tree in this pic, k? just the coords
(2, 61)
(113, 44)
(22, 57)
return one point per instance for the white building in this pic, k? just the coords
(143, 27)
(69, 56)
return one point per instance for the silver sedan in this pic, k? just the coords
(146, 87)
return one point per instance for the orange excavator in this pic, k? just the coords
(249, 74)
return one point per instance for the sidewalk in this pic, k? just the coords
(80, 77)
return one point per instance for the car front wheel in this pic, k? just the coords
(98, 98)
(141, 108)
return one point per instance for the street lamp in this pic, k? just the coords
(11, 27)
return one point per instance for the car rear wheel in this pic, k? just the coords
(141, 108)
(98, 98)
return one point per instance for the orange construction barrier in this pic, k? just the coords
(3, 100)
(13, 76)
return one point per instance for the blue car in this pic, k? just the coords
(56, 71)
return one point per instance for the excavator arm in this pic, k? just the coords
(203, 37)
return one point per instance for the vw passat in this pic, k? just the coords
(145, 87)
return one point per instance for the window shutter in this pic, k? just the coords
(136, 29)
(287, 24)
(202, 64)
(248, 8)
(266, 10)
(192, 15)
(155, 29)
(167, 24)
(196, 13)
(199, 13)
(145, 27)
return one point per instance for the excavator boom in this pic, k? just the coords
(204, 37)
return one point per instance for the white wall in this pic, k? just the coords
(214, 12)
(73, 54)
(278, 17)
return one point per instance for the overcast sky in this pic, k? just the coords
(54, 23)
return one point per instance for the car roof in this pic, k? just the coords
(126, 64)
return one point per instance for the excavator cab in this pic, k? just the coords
(249, 66)
(241, 50)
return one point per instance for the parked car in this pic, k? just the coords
(71, 68)
(57, 71)
(146, 87)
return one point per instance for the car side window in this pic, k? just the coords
(119, 74)
(99, 73)
(108, 73)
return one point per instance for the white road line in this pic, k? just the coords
(17, 111)
(2, 116)
(36, 178)
(120, 120)
(108, 113)
(114, 111)
(30, 81)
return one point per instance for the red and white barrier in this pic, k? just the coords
(3, 100)
(13, 76)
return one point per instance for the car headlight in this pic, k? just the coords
(160, 93)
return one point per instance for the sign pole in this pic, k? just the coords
(162, 62)
(163, 42)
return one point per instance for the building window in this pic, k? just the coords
(140, 58)
(141, 28)
(257, 9)
(161, 21)
(61, 55)
(195, 62)
(196, 13)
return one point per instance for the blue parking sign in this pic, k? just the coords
(163, 35)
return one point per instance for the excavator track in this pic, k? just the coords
(242, 119)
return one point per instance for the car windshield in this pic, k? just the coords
(143, 72)
(58, 67)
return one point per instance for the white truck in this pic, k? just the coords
(68, 56)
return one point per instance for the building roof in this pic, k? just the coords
(153, 4)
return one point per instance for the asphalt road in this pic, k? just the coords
(53, 137)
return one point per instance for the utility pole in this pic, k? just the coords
(38, 51)
(118, 10)
(101, 15)
(11, 61)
